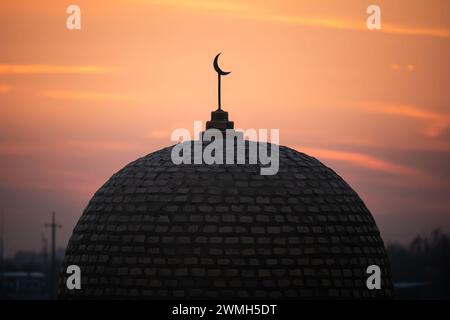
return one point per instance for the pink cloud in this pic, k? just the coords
(435, 123)
(49, 69)
(83, 95)
(264, 13)
(362, 160)
(102, 145)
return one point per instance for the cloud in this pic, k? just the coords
(160, 134)
(436, 123)
(102, 145)
(352, 141)
(416, 31)
(83, 95)
(393, 174)
(5, 88)
(261, 14)
(17, 149)
(92, 145)
(362, 160)
(216, 5)
(347, 24)
(14, 69)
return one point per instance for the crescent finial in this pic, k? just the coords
(217, 68)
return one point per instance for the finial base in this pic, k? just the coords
(219, 120)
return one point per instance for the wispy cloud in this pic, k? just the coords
(416, 31)
(257, 12)
(362, 160)
(373, 143)
(84, 95)
(216, 5)
(17, 149)
(5, 88)
(102, 145)
(347, 24)
(14, 69)
(435, 123)
(160, 134)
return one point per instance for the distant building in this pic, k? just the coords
(23, 285)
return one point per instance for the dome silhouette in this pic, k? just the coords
(160, 230)
(157, 230)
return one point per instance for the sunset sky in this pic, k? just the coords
(78, 105)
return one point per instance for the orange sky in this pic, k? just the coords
(76, 106)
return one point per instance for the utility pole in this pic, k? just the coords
(53, 225)
(2, 232)
(2, 253)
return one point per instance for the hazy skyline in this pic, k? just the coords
(76, 106)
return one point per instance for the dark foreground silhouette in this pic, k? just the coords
(422, 269)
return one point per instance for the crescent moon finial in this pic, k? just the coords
(217, 68)
(220, 73)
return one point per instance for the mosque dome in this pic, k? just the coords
(160, 230)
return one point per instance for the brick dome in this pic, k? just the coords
(158, 230)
